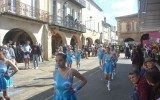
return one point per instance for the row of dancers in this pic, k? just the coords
(69, 54)
(108, 58)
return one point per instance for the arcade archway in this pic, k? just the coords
(56, 42)
(145, 37)
(89, 41)
(19, 36)
(74, 42)
(97, 41)
(129, 40)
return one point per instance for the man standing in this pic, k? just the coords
(36, 54)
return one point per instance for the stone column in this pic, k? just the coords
(47, 42)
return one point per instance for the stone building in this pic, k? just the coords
(109, 34)
(49, 22)
(128, 28)
(22, 20)
(65, 23)
(92, 18)
(52, 23)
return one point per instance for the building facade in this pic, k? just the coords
(52, 23)
(108, 34)
(65, 22)
(128, 29)
(92, 18)
(49, 22)
(23, 20)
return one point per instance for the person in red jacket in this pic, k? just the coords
(141, 85)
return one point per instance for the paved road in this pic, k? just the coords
(38, 84)
(96, 88)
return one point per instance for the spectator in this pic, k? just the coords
(41, 52)
(12, 53)
(6, 52)
(153, 78)
(36, 53)
(150, 63)
(64, 49)
(27, 50)
(142, 88)
(14, 46)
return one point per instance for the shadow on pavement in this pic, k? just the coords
(44, 78)
(40, 85)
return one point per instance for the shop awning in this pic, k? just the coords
(149, 14)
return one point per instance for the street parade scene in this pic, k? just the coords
(79, 50)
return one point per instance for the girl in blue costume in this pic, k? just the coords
(78, 57)
(63, 76)
(100, 55)
(5, 78)
(69, 57)
(114, 60)
(107, 67)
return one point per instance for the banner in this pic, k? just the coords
(154, 37)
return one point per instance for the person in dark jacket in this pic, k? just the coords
(36, 53)
(127, 52)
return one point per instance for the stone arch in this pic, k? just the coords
(75, 41)
(19, 35)
(89, 41)
(57, 40)
(129, 40)
(97, 41)
(144, 37)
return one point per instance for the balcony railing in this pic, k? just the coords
(23, 10)
(81, 3)
(69, 24)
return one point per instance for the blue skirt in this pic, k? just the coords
(77, 58)
(69, 61)
(5, 83)
(100, 57)
(65, 97)
(107, 68)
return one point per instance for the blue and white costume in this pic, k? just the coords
(63, 85)
(107, 68)
(4, 82)
(100, 53)
(114, 59)
(78, 55)
(69, 59)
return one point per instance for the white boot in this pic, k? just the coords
(112, 76)
(108, 85)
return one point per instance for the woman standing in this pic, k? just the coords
(100, 55)
(27, 50)
(78, 57)
(64, 80)
(69, 57)
(5, 78)
(107, 67)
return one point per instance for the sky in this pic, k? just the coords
(116, 8)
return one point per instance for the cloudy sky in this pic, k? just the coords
(115, 8)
